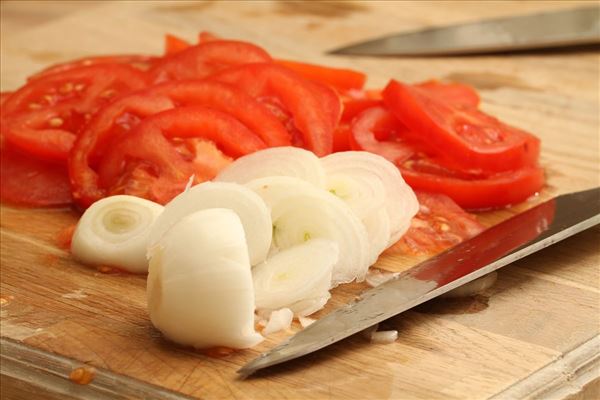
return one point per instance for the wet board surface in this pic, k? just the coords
(534, 334)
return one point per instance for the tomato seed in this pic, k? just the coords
(79, 87)
(34, 106)
(66, 88)
(55, 122)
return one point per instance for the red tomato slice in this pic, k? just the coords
(204, 59)
(423, 172)
(312, 109)
(475, 193)
(464, 138)
(27, 181)
(457, 94)
(339, 78)
(374, 125)
(45, 115)
(4, 96)
(173, 44)
(439, 225)
(148, 144)
(140, 62)
(206, 36)
(126, 112)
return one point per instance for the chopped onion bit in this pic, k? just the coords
(279, 320)
(384, 337)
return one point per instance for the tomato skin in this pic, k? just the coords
(439, 225)
(315, 109)
(495, 191)
(4, 96)
(206, 58)
(151, 142)
(463, 138)
(63, 102)
(173, 44)
(28, 181)
(341, 79)
(139, 62)
(457, 94)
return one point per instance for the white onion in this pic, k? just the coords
(276, 161)
(376, 277)
(114, 231)
(301, 212)
(473, 287)
(400, 201)
(251, 209)
(279, 320)
(199, 285)
(384, 337)
(301, 272)
(310, 306)
(306, 321)
(378, 230)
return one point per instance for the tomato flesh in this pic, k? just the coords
(173, 44)
(315, 109)
(463, 138)
(439, 225)
(341, 79)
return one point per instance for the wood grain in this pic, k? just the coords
(538, 325)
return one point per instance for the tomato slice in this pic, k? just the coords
(137, 61)
(45, 115)
(439, 225)
(464, 138)
(475, 193)
(151, 144)
(28, 181)
(457, 94)
(127, 112)
(206, 58)
(313, 109)
(174, 44)
(376, 130)
(341, 79)
(206, 36)
(4, 96)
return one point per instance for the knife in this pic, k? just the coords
(580, 26)
(502, 244)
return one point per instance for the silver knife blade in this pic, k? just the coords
(579, 26)
(502, 244)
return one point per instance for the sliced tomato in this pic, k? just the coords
(457, 94)
(474, 192)
(439, 225)
(140, 62)
(127, 112)
(152, 144)
(204, 59)
(174, 44)
(4, 96)
(313, 109)
(28, 181)
(45, 115)
(341, 79)
(463, 138)
(206, 36)
(377, 130)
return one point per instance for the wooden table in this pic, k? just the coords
(533, 335)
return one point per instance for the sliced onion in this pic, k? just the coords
(199, 285)
(115, 231)
(279, 320)
(378, 230)
(310, 306)
(276, 161)
(384, 337)
(251, 209)
(400, 202)
(473, 287)
(301, 212)
(301, 272)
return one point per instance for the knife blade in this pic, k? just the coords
(502, 244)
(580, 26)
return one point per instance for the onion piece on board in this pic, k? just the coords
(115, 231)
(278, 321)
(251, 209)
(199, 284)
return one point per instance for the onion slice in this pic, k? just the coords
(251, 209)
(278, 321)
(114, 231)
(276, 161)
(301, 212)
(301, 272)
(199, 285)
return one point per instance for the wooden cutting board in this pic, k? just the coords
(534, 334)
